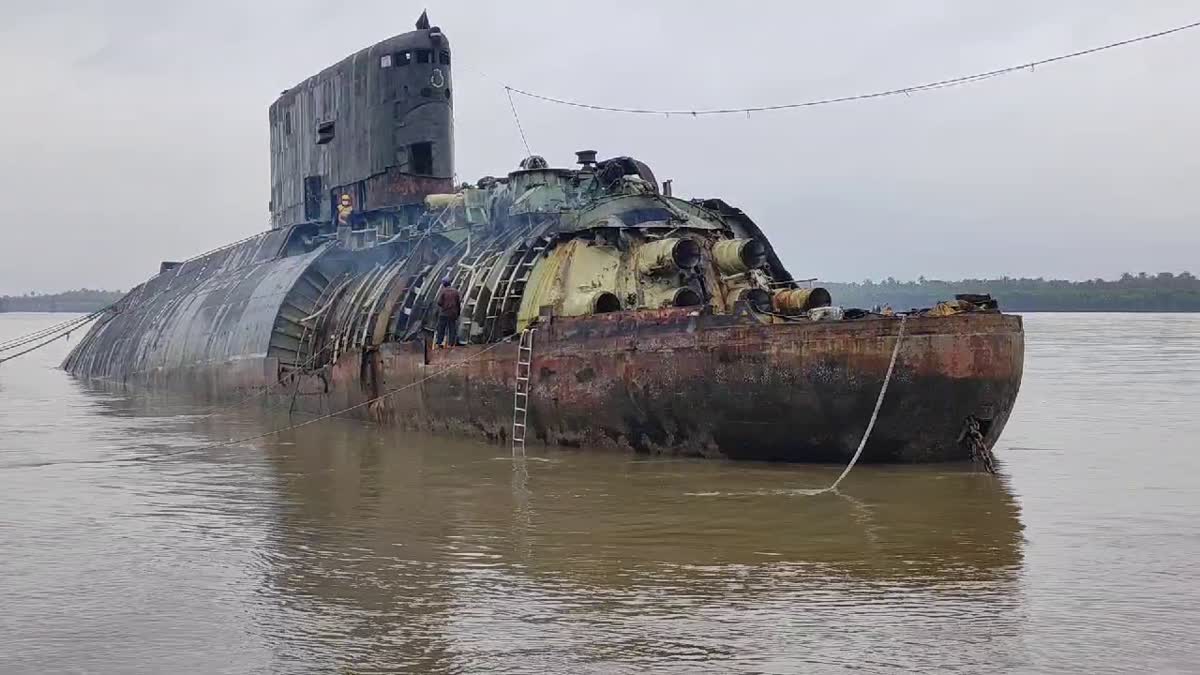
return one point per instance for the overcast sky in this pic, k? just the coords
(135, 131)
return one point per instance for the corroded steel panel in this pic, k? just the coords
(395, 187)
(360, 125)
(214, 311)
(678, 382)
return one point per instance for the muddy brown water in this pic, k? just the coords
(344, 548)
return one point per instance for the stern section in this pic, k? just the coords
(680, 382)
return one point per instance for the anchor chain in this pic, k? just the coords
(980, 454)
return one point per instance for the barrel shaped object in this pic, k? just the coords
(799, 300)
(668, 255)
(591, 302)
(735, 256)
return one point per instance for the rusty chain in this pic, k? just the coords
(980, 454)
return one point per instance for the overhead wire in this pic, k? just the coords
(912, 89)
(521, 129)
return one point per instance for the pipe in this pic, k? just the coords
(444, 200)
(757, 298)
(735, 256)
(595, 302)
(799, 300)
(686, 297)
(668, 255)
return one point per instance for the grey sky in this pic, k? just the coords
(135, 131)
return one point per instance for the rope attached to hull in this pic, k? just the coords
(47, 336)
(887, 379)
(56, 331)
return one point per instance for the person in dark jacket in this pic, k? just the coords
(449, 304)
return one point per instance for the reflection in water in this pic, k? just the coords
(342, 547)
(362, 549)
(346, 548)
(420, 552)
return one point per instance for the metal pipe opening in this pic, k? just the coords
(605, 302)
(735, 256)
(800, 300)
(757, 298)
(686, 297)
(669, 255)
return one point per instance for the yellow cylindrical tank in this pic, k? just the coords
(735, 256)
(658, 296)
(800, 300)
(757, 298)
(668, 255)
(591, 302)
(444, 200)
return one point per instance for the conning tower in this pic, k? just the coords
(377, 126)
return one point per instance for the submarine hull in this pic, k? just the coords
(661, 325)
(678, 382)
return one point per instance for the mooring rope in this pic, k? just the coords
(237, 441)
(62, 328)
(64, 332)
(314, 420)
(247, 439)
(35, 347)
(875, 413)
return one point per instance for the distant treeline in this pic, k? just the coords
(83, 300)
(1163, 292)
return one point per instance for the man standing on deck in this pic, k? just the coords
(345, 211)
(449, 304)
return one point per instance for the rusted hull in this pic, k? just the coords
(675, 382)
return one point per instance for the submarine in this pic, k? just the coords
(599, 309)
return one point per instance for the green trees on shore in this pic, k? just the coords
(1162, 292)
(82, 300)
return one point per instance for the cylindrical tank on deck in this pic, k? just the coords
(444, 200)
(668, 255)
(757, 298)
(734, 256)
(800, 300)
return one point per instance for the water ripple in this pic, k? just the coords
(348, 548)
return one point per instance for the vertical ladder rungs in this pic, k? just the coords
(521, 389)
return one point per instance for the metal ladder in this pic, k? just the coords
(510, 286)
(521, 393)
(481, 267)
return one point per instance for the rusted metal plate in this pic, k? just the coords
(794, 392)
(378, 125)
(394, 188)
